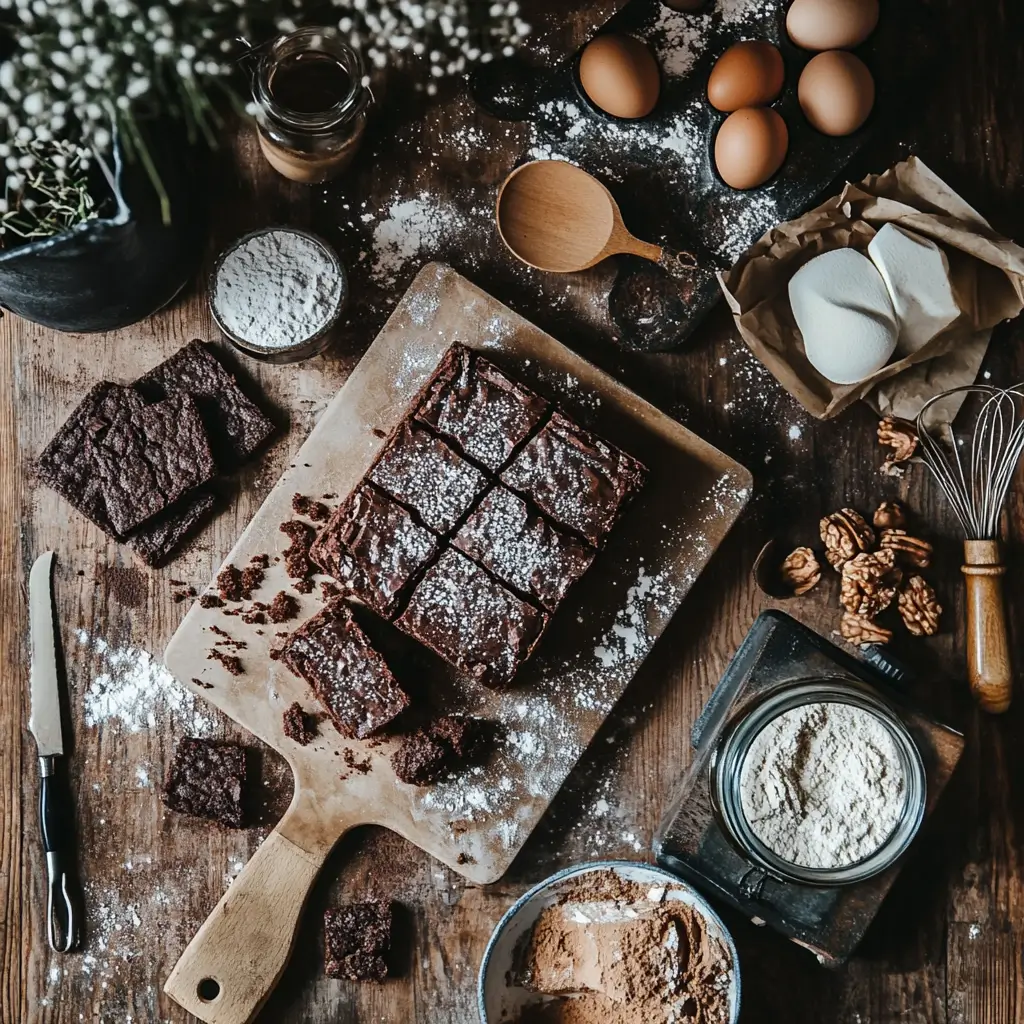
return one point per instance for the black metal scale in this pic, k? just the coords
(830, 922)
(687, 207)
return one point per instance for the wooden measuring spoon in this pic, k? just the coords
(554, 216)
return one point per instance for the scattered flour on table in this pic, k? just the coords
(133, 691)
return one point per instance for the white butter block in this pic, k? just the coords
(843, 310)
(916, 272)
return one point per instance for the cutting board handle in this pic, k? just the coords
(239, 954)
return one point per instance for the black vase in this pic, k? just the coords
(111, 272)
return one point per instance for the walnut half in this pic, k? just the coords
(869, 583)
(800, 570)
(900, 435)
(909, 550)
(919, 607)
(859, 630)
(845, 533)
(890, 515)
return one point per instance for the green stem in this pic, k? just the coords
(140, 147)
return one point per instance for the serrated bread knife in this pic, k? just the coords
(56, 815)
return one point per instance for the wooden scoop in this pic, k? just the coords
(554, 216)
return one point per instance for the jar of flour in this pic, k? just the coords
(820, 783)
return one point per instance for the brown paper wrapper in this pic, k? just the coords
(986, 270)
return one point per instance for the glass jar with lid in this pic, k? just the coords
(311, 104)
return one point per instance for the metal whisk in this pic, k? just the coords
(975, 474)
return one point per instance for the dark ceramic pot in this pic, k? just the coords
(115, 271)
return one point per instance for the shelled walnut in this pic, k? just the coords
(862, 631)
(845, 534)
(908, 550)
(869, 583)
(890, 515)
(900, 435)
(801, 570)
(919, 607)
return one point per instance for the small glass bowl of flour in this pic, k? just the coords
(276, 294)
(821, 783)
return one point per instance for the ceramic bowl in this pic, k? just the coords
(499, 1002)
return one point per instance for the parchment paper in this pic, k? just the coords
(987, 273)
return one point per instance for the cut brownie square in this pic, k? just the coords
(484, 412)
(66, 465)
(471, 620)
(353, 682)
(207, 779)
(236, 425)
(149, 456)
(374, 547)
(160, 537)
(421, 760)
(421, 471)
(446, 745)
(357, 940)
(579, 480)
(523, 549)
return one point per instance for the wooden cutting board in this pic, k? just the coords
(601, 635)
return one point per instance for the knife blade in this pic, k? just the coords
(56, 815)
(44, 720)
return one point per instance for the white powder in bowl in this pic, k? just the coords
(276, 289)
(822, 785)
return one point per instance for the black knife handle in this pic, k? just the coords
(57, 822)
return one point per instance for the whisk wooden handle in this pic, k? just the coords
(988, 645)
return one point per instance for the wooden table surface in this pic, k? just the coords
(946, 947)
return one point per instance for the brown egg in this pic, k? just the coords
(750, 146)
(620, 75)
(748, 74)
(836, 92)
(831, 24)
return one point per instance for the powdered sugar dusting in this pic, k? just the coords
(132, 691)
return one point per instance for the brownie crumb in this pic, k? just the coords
(329, 497)
(329, 591)
(207, 779)
(178, 596)
(202, 684)
(229, 584)
(449, 744)
(298, 725)
(283, 608)
(211, 601)
(220, 632)
(363, 766)
(252, 580)
(464, 858)
(358, 940)
(177, 583)
(261, 561)
(254, 617)
(231, 662)
(296, 556)
(310, 508)
(377, 432)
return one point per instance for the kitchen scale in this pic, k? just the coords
(777, 654)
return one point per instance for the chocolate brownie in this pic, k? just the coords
(66, 465)
(374, 547)
(236, 425)
(579, 480)
(471, 620)
(296, 555)
(148, 456)
(353, 682)
(446, 745)
(357, 940)
(523, 549)
(487, 415)
(157, 539)
(207, 779)
(421, 471)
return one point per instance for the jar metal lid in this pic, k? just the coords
(726, 767)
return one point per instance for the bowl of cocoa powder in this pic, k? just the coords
(611, 942)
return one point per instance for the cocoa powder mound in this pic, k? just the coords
(612, 951)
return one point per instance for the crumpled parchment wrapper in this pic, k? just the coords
(986, 270)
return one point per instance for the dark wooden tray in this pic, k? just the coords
(661, 168)
(830, 922)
